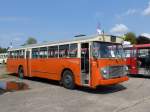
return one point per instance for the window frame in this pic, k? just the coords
(37, 53)
(54, 50)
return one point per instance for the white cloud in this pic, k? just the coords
(146, 35)
(131, 12)
(146, 11)
(119, 29)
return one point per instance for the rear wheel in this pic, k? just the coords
(21, 73)
(68, 80)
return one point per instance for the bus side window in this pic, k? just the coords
(134, 53)
(64, 51)
(22, 53)
(11, 54)
(19, 54)
(43, 52)
(8, 54)
(53, 51)
(15, 54)
(127, 53)
(73, 50)
(35, 52)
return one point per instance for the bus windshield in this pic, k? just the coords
(107, 50)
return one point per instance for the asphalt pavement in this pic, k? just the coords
(48, 96)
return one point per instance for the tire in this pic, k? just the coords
(68, 80)
(21, 73)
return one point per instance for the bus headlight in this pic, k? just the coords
(125, 69)
(105, 72)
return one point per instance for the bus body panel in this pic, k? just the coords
(46, 68)
(113, 81)
(13, 65)
(53, 68)
(132, 65)
(97, 78)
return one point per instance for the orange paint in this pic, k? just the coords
(51, 68)
(96, 76)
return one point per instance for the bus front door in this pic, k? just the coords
(85, 67)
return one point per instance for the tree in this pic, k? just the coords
(143, 40)
(31, 40)
(131, 37)
(3, 50)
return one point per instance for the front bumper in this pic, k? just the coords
(113, 81)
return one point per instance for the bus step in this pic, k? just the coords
(86, 81)
(85, 78)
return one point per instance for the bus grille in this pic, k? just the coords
(116, 71)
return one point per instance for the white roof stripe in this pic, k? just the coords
(74, 40)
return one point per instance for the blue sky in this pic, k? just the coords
(53, 20)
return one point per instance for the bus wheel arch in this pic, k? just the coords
(67, 78)
(20, 72)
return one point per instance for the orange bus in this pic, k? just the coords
(85, 61)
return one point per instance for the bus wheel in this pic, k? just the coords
(68, 80)
(20, 73)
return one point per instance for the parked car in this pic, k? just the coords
(3, 58)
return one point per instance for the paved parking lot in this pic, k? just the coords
(48, 96)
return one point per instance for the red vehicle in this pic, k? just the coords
(138, 59)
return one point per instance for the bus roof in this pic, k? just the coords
(142, 45)
(137, 46)
(102, 38)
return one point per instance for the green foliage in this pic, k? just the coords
(30, 40)
(131, 37)
(3, 50)
(143, 40)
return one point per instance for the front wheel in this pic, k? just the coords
(68, 80)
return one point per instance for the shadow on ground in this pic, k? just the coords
(139, 76)
(2, 91)
(103, 89)
(98, 90)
